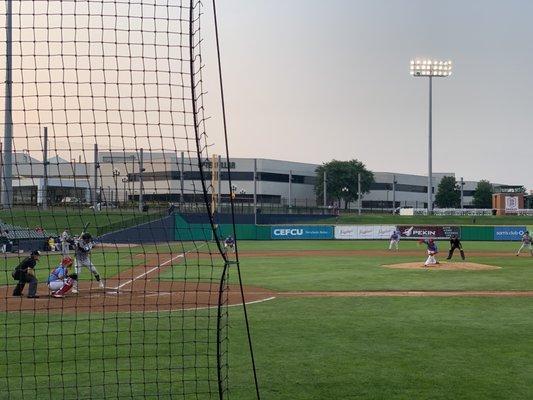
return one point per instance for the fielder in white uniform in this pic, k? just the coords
(394, 240)
(65, 242)
(83, 247)
(526, 242)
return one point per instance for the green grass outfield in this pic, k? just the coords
(306, 348)
(389, 219)
(348, 273)
(55, 220)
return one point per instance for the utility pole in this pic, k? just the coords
(44, 192)
(394, 182)
(7, 199)
(325, 194)
(141, 187)
(255, 191)
(95, 188)
(290, 188)
(462, 192)
(359, 192)
(219, 191)
(182, 177)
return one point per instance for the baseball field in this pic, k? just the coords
(330, 320)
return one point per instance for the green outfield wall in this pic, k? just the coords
(185, 231)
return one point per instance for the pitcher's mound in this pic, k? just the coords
(445, 266)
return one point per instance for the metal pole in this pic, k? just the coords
(290, 188)
(141, 170)
(219, 195)
(325, 180)
(1, 167)
(95, 188)
(393, 194)
(462, 194)
(182, 173)
(44, 192)
(359, 192)
(255, 191)
(8, 117)
(430, 148)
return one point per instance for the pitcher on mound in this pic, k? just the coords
(432, 250)
(82, 248)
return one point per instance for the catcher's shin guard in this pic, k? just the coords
(462, 254)
(65, 288)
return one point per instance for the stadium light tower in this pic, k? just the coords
(426, 68)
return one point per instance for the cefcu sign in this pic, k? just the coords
(509, 232)
(301, 232)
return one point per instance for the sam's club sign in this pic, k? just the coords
(285, 232)
(509, 232)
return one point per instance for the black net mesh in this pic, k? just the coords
(108, 166)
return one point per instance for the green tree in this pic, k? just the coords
(342, 175)
(448, 193)
(483, 195)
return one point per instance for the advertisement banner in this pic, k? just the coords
(422, 232)
(511, 203)
(350, 232)
(509, 232)
(285, 232)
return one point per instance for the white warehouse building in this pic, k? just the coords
(277, 181)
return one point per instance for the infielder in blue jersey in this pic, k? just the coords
(229, 243)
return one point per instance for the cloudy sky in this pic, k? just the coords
(312, 80)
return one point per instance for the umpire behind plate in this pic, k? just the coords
(25, 273)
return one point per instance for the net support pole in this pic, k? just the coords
(141, 185)
(182, 173)
(44, 191)
(359, 193)
(7, 199)
(255, 191)
(95, 177)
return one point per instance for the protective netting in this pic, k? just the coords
(108, 165)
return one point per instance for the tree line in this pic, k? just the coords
(341, 185)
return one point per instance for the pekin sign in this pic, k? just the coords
(421, 232)
(285, 232)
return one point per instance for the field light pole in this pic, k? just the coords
(425, 68)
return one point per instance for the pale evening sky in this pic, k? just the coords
(310, 80)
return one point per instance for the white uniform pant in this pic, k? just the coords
(56, 285)
(64, 248)
(395, 243)
(528, 246)
(431, 259)
(87, 264)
